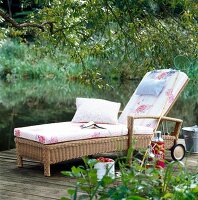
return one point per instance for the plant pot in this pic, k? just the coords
(105, 168)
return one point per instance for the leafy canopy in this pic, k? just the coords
(140, 34)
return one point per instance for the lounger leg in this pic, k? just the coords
(130, 123)
(19, 161)
(47, 169)
(46, 162)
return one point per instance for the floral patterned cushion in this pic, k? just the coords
(149, 105)
(97, 110)
(68, 131)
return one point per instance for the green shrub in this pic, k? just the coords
(20, 61)
(134, 183)
(13, 50)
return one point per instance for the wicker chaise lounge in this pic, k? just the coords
(136, 123)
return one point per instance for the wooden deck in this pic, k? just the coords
(29, 183)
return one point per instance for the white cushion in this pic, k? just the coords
(68, 131)
(97, 110)
(149, 105)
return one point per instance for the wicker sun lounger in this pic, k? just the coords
(57, 152)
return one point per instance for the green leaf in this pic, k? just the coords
(76, 171)
(71, 191)
(67, 173)
(167, 196)
(195, 190)
(106, 181)
(135, 198)
(65, 198)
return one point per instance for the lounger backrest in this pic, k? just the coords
(151, 105)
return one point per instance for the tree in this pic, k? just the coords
(129, 33)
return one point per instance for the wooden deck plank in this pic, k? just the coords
(6, 196)
(32, 172)
(34, 190)
(10, 194)
(39, 180)
(30, 183)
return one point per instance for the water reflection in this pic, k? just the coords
(36, 102)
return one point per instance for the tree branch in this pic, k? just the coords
(10, 20)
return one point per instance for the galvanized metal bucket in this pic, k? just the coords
(191, 138)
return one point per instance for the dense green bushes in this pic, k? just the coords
(134, 183)
(20, 61)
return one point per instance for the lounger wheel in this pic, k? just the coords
(178, 152)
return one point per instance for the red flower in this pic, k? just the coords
(142, 108)
(17, 132)
(41, 139)
(162, 75)
(170, 95)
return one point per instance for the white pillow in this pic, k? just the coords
(97, 110)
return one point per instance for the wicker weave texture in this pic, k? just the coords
(75, 149)
(28, 149)
(54, 153)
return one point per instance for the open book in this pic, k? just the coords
(91, 124)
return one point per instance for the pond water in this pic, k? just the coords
(36, 102)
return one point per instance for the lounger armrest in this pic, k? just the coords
(130, 124)
(178, 125)
(172, 119)
(144, 117)
(130, 121)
